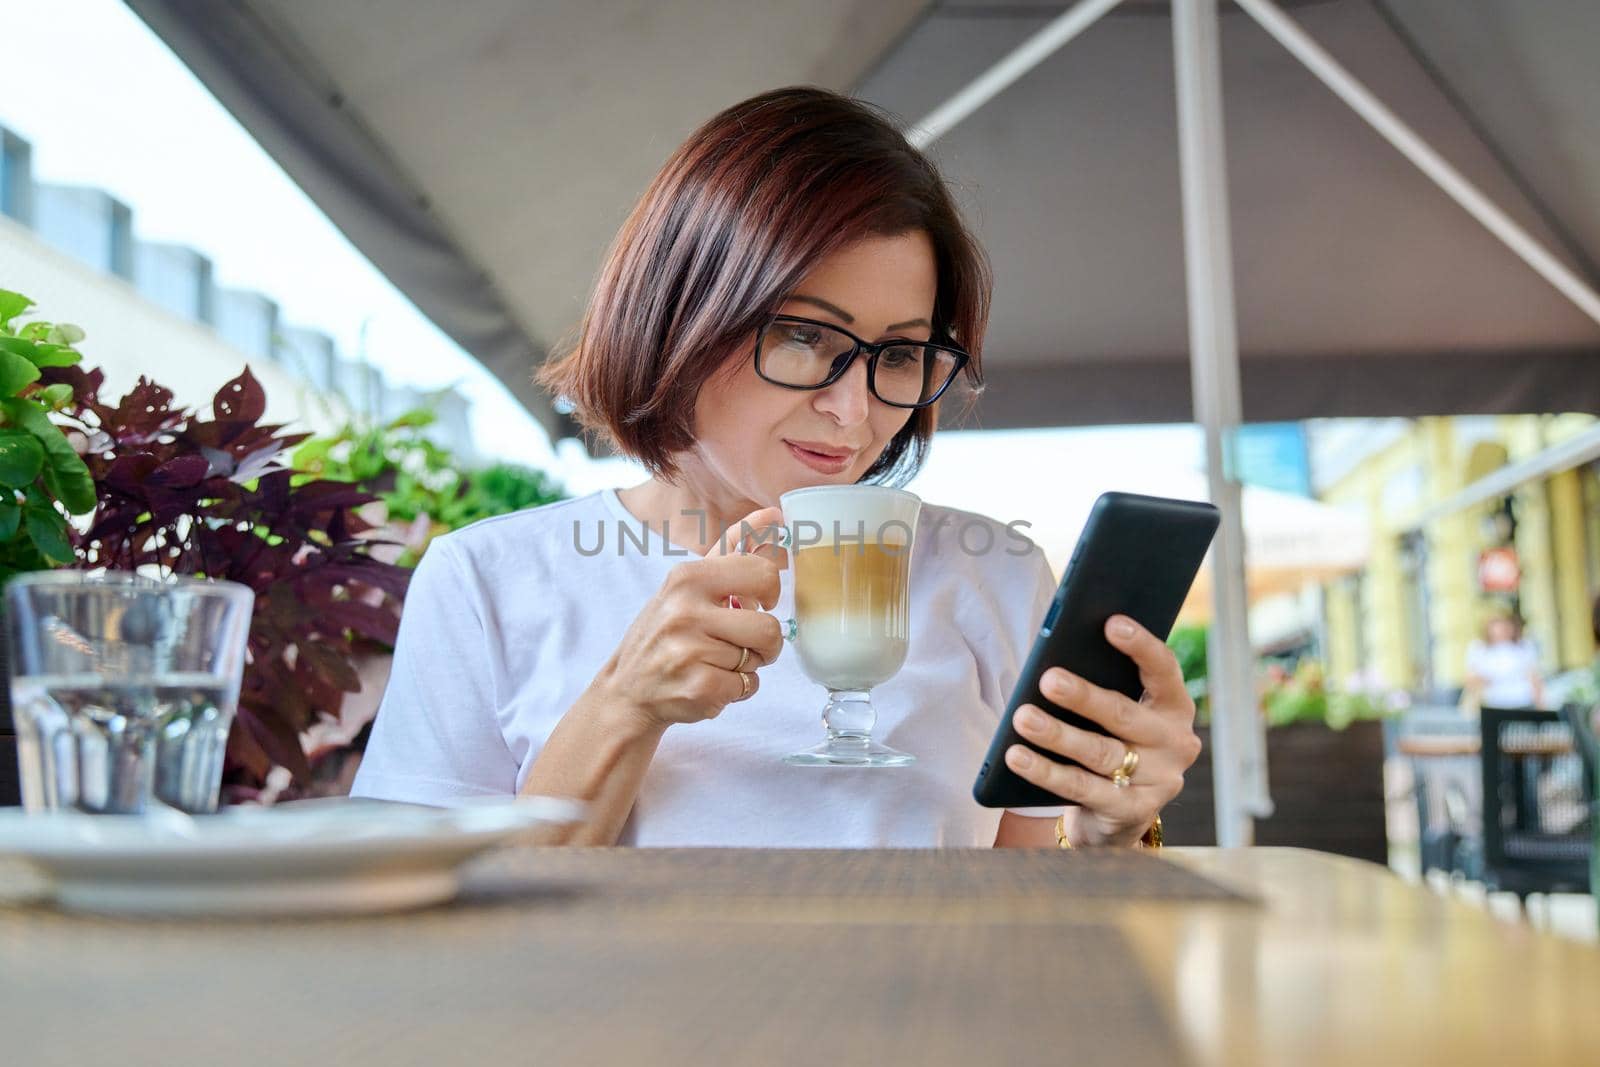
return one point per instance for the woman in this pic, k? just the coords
(545, 652)
(1503, 668)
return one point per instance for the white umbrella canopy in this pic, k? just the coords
(1290, 540)
(483, 153)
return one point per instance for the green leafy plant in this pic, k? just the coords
(396, 460)
(42, 477)
(1304, 696)
(1188, 643)
(417, 478)
(1289, 696)
(497, 490)
(209, 493)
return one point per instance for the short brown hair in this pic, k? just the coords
(731, 224)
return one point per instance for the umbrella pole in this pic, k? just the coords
(1237, 744)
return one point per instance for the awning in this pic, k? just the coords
(483, 154)
(1290, 541)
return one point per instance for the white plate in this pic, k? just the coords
(343, 857)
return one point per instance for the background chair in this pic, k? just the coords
(1443, 788)
(1536, 830)
(10, 788)
(1579, 719)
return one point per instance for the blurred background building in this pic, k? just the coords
(1472, 517)
(155, 309)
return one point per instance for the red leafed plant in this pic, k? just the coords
(215, 497)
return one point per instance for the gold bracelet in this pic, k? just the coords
(1152, 837)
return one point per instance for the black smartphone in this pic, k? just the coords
(1137, 556)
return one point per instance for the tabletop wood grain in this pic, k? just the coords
(556, 956)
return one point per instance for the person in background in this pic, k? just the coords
(1594, 688)
(1588, 692)
(1594, 621)
(1503, 668)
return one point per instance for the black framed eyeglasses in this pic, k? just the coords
(799, 353)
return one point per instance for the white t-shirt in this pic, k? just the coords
(1508, 668)
(508, 620)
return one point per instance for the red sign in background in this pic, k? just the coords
(1498, 570)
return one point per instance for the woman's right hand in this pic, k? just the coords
(678, 661)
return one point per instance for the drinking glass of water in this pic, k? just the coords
(123, 688)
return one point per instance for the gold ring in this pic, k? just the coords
(1122, 777)
(744, 682)
(744, 657)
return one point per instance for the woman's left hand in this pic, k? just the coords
(1160, 728)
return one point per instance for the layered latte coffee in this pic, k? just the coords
(851, 605)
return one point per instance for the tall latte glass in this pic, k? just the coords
(850, 549)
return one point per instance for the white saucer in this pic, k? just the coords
(314, 857)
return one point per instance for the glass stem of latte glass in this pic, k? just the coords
(850, 552)
(849, 719)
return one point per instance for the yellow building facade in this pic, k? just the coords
(1407, 619)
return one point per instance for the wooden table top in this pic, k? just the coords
(1440, 745)
(554, 956)
(1467, 745)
